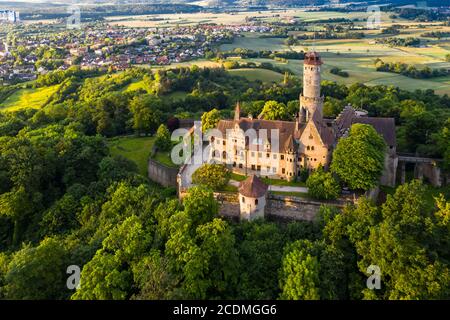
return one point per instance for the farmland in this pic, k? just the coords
(28, 98)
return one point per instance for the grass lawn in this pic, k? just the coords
(134, 86)
(28, 98)
(252, 74)
(163, 157)
(177, 95)
(136, 149)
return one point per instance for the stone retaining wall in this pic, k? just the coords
(164, 175)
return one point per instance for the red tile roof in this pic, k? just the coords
(252, 187)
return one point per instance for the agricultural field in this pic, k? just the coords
(257, 74)
(235, 18)
(136, 149)
(357, 57)
(28, 98)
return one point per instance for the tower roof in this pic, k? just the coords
(252, 187)
(312, 58)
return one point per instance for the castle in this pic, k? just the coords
(282, 149)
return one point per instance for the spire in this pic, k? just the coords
(237, 111)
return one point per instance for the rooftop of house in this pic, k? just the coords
(252, 187)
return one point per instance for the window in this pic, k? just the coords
(224, 142)
(256, 202)
(299, 158)
(224, 155)
(243, 200)
(253, 167)
(274, 156)
(259, 154)
(217, 141)
(267, 155)
(282, 157)
(258, 168)
(234, 164)
(283, 171)
(253, 154)
(268, 169)
(274, 169)
(312, 147)
(308, 148)
(240, 165)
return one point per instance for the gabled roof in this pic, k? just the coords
(326, 135)
(252, 187)
(384, 127)
(286, 128)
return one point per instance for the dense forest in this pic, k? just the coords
(65, 200)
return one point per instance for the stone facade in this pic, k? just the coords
(282, 149)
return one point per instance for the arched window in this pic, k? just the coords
(308, 148)
(224, 155)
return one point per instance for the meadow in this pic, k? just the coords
(28, 98)
(136, 149)
(234, 18)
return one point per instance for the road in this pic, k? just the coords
(277, 188)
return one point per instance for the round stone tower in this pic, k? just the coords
(311, 101)
(252, 198)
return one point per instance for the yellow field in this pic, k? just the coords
(28, 98)
(170, 20)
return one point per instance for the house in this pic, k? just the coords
(283, 149)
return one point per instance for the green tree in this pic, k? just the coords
(213, 176)
(163, 141)
(322, 185)
(38, 272)
(358, 159)
(146, 112)
(200, 205)
(210, 119)
(299, 274)
(274, 110)
(109, 274)
(397, 243)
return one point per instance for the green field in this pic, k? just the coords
(134, 86)
(136, 149)
(257, 74)
(359, 63)
(28, 98)
(256, 44)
